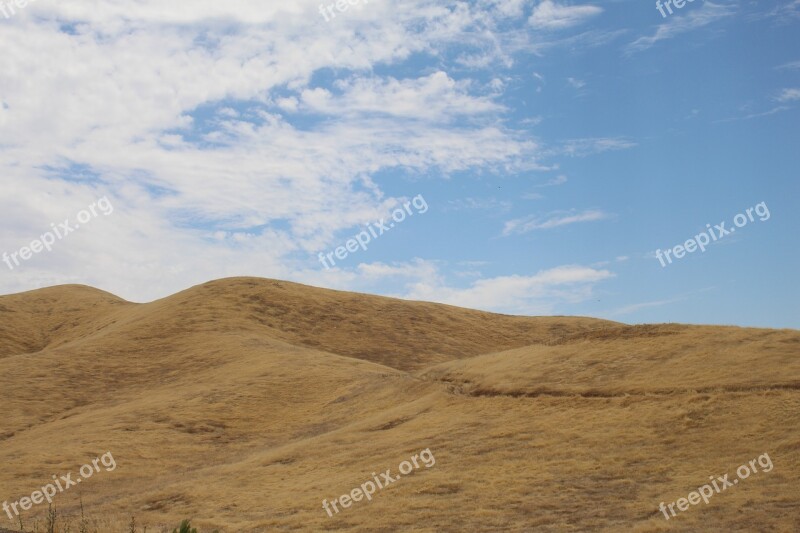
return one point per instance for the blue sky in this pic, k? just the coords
(557, 145)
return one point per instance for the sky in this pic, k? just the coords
(531, 157)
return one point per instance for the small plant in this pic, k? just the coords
(52, 518)
(83, 525)
(186, 527)
(132, 525)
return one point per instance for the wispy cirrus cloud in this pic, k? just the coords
(555, 182)
(792, 65)
(588, 39)
(586, 147)
(633, 308)
(484, 204)
(784, 13)
(552, 15)
(788, 95)
(699, 17)
(532, 196)
(628, 309)
(553, 220)
(750, 116)
(575, 83)
(540, 293)
(544, 292)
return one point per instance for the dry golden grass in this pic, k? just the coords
(244, 403)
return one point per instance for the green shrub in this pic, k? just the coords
(186, 527)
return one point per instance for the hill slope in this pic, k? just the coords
(243, 403)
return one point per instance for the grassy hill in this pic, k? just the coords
(243, 403)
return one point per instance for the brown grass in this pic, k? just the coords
(243, 403)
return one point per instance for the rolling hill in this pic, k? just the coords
(244, 403)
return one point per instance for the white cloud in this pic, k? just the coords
(435, 98)
(545, 292)
(509, 8)
(553, 220)
(532, 196)
(774, 110)
(638, 307)
(788, 95)
(555, 182)
(629, 309)
(586, 147)
(698, 17)
(792, 65)
(576, 83)
(486, 204)
(541, 293)
(553, 16)
(417, 269)
(785, 13)
(185, 119)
